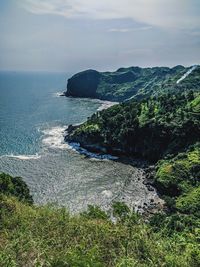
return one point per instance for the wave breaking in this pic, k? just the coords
(23, 157)
(54, 137)
(76, 147)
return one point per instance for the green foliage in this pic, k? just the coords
(162, 124)
(195, 105)
(171, 224)
(165, 127)
(189, 202)
(120, 210)
(15, 186)
(143, 82)
(133, 82)
(88, 128)
(179, 174)
(47, 236)
(94, 212)
(150, 128)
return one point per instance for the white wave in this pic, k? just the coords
(23, 157)
(76, 147)
(54, 137)
(58, 94)
(106, 104)
(186, 74)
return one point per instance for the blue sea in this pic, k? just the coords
(33, 119)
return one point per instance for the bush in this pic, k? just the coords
(94, 212)
(15, 186)
(179, 174)
(190, 203)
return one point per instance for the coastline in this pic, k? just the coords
(146, 170)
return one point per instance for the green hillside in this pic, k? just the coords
(150, 128)
(131, 82)
(50, 236)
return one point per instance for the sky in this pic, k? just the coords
(74, 35)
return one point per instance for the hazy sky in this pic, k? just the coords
(72, 35)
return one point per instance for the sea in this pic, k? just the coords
(33, 119)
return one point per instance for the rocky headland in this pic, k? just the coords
(126, 83)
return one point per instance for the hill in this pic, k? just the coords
(149, 128)
(131, 82)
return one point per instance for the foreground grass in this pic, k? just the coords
(48, 236)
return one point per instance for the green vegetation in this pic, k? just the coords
(195, 104)
(15, 186)
(151, 128)
(179, 174)
(163, 127)
(139, 82)
(131, 82)
(160, 124)
(178, 180)
(190, 202)
(49, 236)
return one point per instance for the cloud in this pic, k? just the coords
(119, 30)
(124, 30)
(182, 14)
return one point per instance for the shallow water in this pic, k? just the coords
(32, 122)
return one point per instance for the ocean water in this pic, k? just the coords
(33, 118)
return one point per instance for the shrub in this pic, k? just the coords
(190, 202)
(15, 186)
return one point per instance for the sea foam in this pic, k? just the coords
(54, 137)
(23, 157)
(57, 94)
(76, 147)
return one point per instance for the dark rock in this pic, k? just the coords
(95, 148)
(83, 84)
(150, 188)
(71, 128)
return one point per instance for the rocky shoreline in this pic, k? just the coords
(94, 148)
(147, 171)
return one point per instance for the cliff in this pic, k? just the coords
(83, 84)
(126, 83)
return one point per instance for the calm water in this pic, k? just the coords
(32, 122)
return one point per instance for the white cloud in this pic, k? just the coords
(119, 30)
(182, 14)
(124, 30)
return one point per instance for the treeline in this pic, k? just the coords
(150, 128)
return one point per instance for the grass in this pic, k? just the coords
(49, 236)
